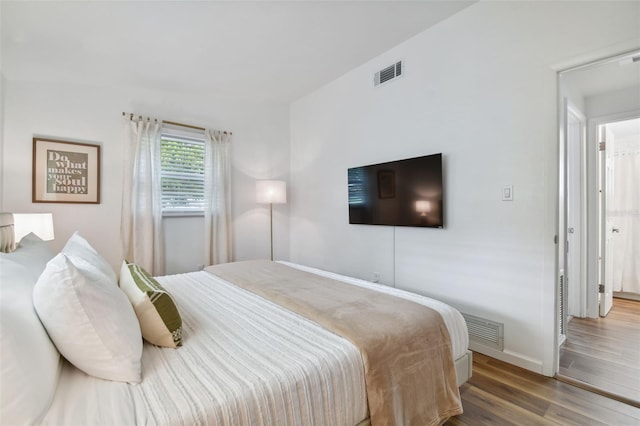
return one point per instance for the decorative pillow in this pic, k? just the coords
(29, 362)
(159, 318)
(87, 259)
(90, 321)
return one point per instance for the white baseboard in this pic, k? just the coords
(510, 357)
(626, 295)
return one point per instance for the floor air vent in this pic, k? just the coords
(387, 74)
(485, 332)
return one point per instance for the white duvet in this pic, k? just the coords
(244, 361)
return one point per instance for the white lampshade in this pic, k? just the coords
(271, 191)
(40, 224)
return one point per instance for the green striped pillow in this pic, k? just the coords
(157, 313)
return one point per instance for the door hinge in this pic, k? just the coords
(602, 146)
(600, 288)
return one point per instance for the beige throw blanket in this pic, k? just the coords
(409, 369)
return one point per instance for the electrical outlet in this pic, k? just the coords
(376, 277)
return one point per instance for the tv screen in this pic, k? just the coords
(398, 193)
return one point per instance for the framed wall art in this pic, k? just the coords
(65, 172)
(386, 184)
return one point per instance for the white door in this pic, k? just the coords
(605, 137)
(576, 294)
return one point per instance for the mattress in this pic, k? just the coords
(244, 361)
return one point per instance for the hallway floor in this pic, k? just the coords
(605, 352)
(502, 394)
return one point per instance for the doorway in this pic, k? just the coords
(598, 257)
(602, 354)
(622, 213)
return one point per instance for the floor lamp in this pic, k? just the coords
(271, 192)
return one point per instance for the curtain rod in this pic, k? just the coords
(174, 123)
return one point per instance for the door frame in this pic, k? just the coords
(576, 205)
(560, 237)
(571, 158)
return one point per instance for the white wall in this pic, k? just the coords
(2, 83)
(93, 114)
(612, 103)
(481, 88)
(2, 90)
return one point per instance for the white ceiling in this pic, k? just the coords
(626, 129)
(617, 74)
(257, 50)
(609, 76)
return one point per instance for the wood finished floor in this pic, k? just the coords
(605, 352)
(502, 394)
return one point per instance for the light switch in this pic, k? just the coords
(507, 193)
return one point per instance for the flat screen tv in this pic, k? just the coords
(398, 193)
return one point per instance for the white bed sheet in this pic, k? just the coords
(249, 362)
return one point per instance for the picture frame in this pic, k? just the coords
(386, 184)
(65, 172)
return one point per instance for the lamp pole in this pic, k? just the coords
(271, 192)
(271, 226)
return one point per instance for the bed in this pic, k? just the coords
(245, 360)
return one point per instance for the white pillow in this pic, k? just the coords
(90, 321)
(33, 253)
(29, 362)
(157, 312)
(87, 259)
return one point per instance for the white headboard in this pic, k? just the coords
(7, 237)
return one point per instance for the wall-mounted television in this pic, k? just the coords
(398, 193)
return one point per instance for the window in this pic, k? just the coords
(356, 185)
(182, 174)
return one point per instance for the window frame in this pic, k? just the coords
(195, 138)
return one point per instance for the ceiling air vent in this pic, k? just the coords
(627, 60)
(387, 74)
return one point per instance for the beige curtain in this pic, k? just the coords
(141, 225)
(217, 187)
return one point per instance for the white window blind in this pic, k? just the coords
(356, 185)
(182, 174)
